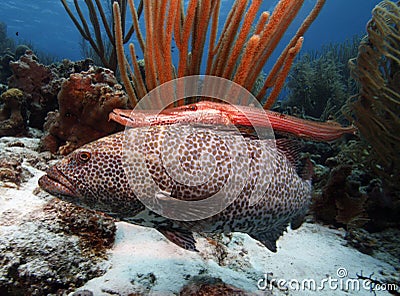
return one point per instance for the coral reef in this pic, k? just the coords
(347, 191)
(5, 69)
(356, 187)
(13, 113)
(20, 51)
(384, 244)
(66, 67)
(11, 52)
(8, 52)
(319, 82)
(85, 100)
(40, 85)
(340, 202)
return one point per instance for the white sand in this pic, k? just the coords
(313, 252)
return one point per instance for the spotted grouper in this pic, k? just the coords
(182, 179)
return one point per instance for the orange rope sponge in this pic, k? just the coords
(237, 52)
(280, 80)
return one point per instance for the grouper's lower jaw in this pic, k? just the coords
(55, 183)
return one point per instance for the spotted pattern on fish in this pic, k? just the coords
(94, 177)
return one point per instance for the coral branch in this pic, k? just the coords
(241, 39)
(269, 82)
(184, 41)
(213, 35)
(247, 60)
(237, 53)
(280, 80)
(105, 49)
(121, 56)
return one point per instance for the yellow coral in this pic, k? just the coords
(12, 94)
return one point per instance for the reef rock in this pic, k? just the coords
(66, 67)
(13, 113)
(349, 193)
(39, 83)
(85, 100)
(9, 56)
(5, 70)
(6, 53)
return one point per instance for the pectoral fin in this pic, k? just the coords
(164, 195)
(297, 221)
(269, 239)
(184, 239)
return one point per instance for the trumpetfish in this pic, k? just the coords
(107, 176)
(224, 114)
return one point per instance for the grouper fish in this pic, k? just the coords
(261, 185)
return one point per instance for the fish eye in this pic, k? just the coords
(83, 156)
(191, 108)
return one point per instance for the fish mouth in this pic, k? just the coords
(55, 183)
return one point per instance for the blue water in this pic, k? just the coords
(47, 26)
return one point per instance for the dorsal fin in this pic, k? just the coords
(291, 149)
